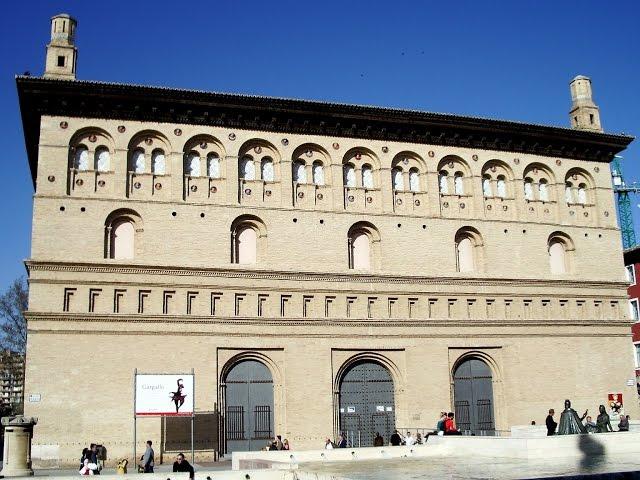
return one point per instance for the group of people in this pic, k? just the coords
(278, 444)
(147, 462)
(572, 423)
(90, 461)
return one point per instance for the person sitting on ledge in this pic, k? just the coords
(623, 426)
(590, 426)
(450, 425)
(181, 465)
(396, 439)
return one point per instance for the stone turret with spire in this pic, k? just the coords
(584, 114)
(62, 53)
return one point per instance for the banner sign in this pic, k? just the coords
(164, 395)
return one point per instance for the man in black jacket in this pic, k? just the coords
(181, 465)
(551, 424)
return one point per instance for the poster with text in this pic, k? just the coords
(170, 395)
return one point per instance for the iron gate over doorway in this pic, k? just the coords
(367, 403)
(473, 397)
(248, 422)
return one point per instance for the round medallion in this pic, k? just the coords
(247, 191)
(358, 156)
(546, 210)
(571, 212)
(257, 149)
(51, 178)
(336, 145)
(203, 145)
(369, 199)
(148, 140)
(385, 149)
(319, 196)
(101, 183)
(493, 168)
(193, 188)
(586, 214)
(93, 138)
(405, 161)
(177, 132)
(489, 207)
(137, 185)
(417, 203)
(285, 141)
(558, 162)
(232, 136)
(531, 209)
(505, 208)
(350, 198)
(79, 182)
(462, 205)
(574, 176)
(398, 201)
(535, 170)
(431, 154)
(606, 214)
(309, 153)
(596, 169)
(474, 158)
(64, 125)
(122, 129)
(445, 204)
(300, 194)
(516, 161)
(213, 189)
(450, 164)
(158, 186)
(267, 193)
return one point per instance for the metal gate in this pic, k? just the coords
(367, 403)
(473, 397)
(248, 398)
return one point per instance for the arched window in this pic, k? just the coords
(464, 255)
(443, 182)
(486, 187)
(528, 189)
(138, 161)
(193, 164)
(246, 246)
(502, 187)
(349, 175)
(458, 183)
(122, 240)
(81, 158)
(557, 260)
(318, 173)
(102, 159)
(414, 180)
(398, 181)
(213, 165)
(568, 192)
(247, 168)
(158, 164)
(360, 251)
(266, 169)
(367, 176)
(299, 172)
(543, 191)
(582, 194)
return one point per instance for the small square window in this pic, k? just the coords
(61, 60)
(631, 274)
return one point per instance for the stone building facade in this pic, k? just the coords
(353, 268)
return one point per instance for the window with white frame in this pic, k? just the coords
(633, 309)
(631, 274)
(637, 348)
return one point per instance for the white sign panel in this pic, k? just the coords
(170, 395)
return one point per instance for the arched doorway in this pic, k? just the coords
(248, 400)
(473, 397)
(366, 402)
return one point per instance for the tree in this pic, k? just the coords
(13, 326)
(13, 342)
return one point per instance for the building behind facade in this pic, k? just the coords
(632, 266)
(324, 268)
(12, 375)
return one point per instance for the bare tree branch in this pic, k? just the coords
(13, 326)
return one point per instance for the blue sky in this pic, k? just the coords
(500, 59)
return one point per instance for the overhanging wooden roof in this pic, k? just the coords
(73, 98)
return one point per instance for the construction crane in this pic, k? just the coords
(625, 214)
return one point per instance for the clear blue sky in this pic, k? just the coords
(500, 59)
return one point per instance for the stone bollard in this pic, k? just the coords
(18, 431)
